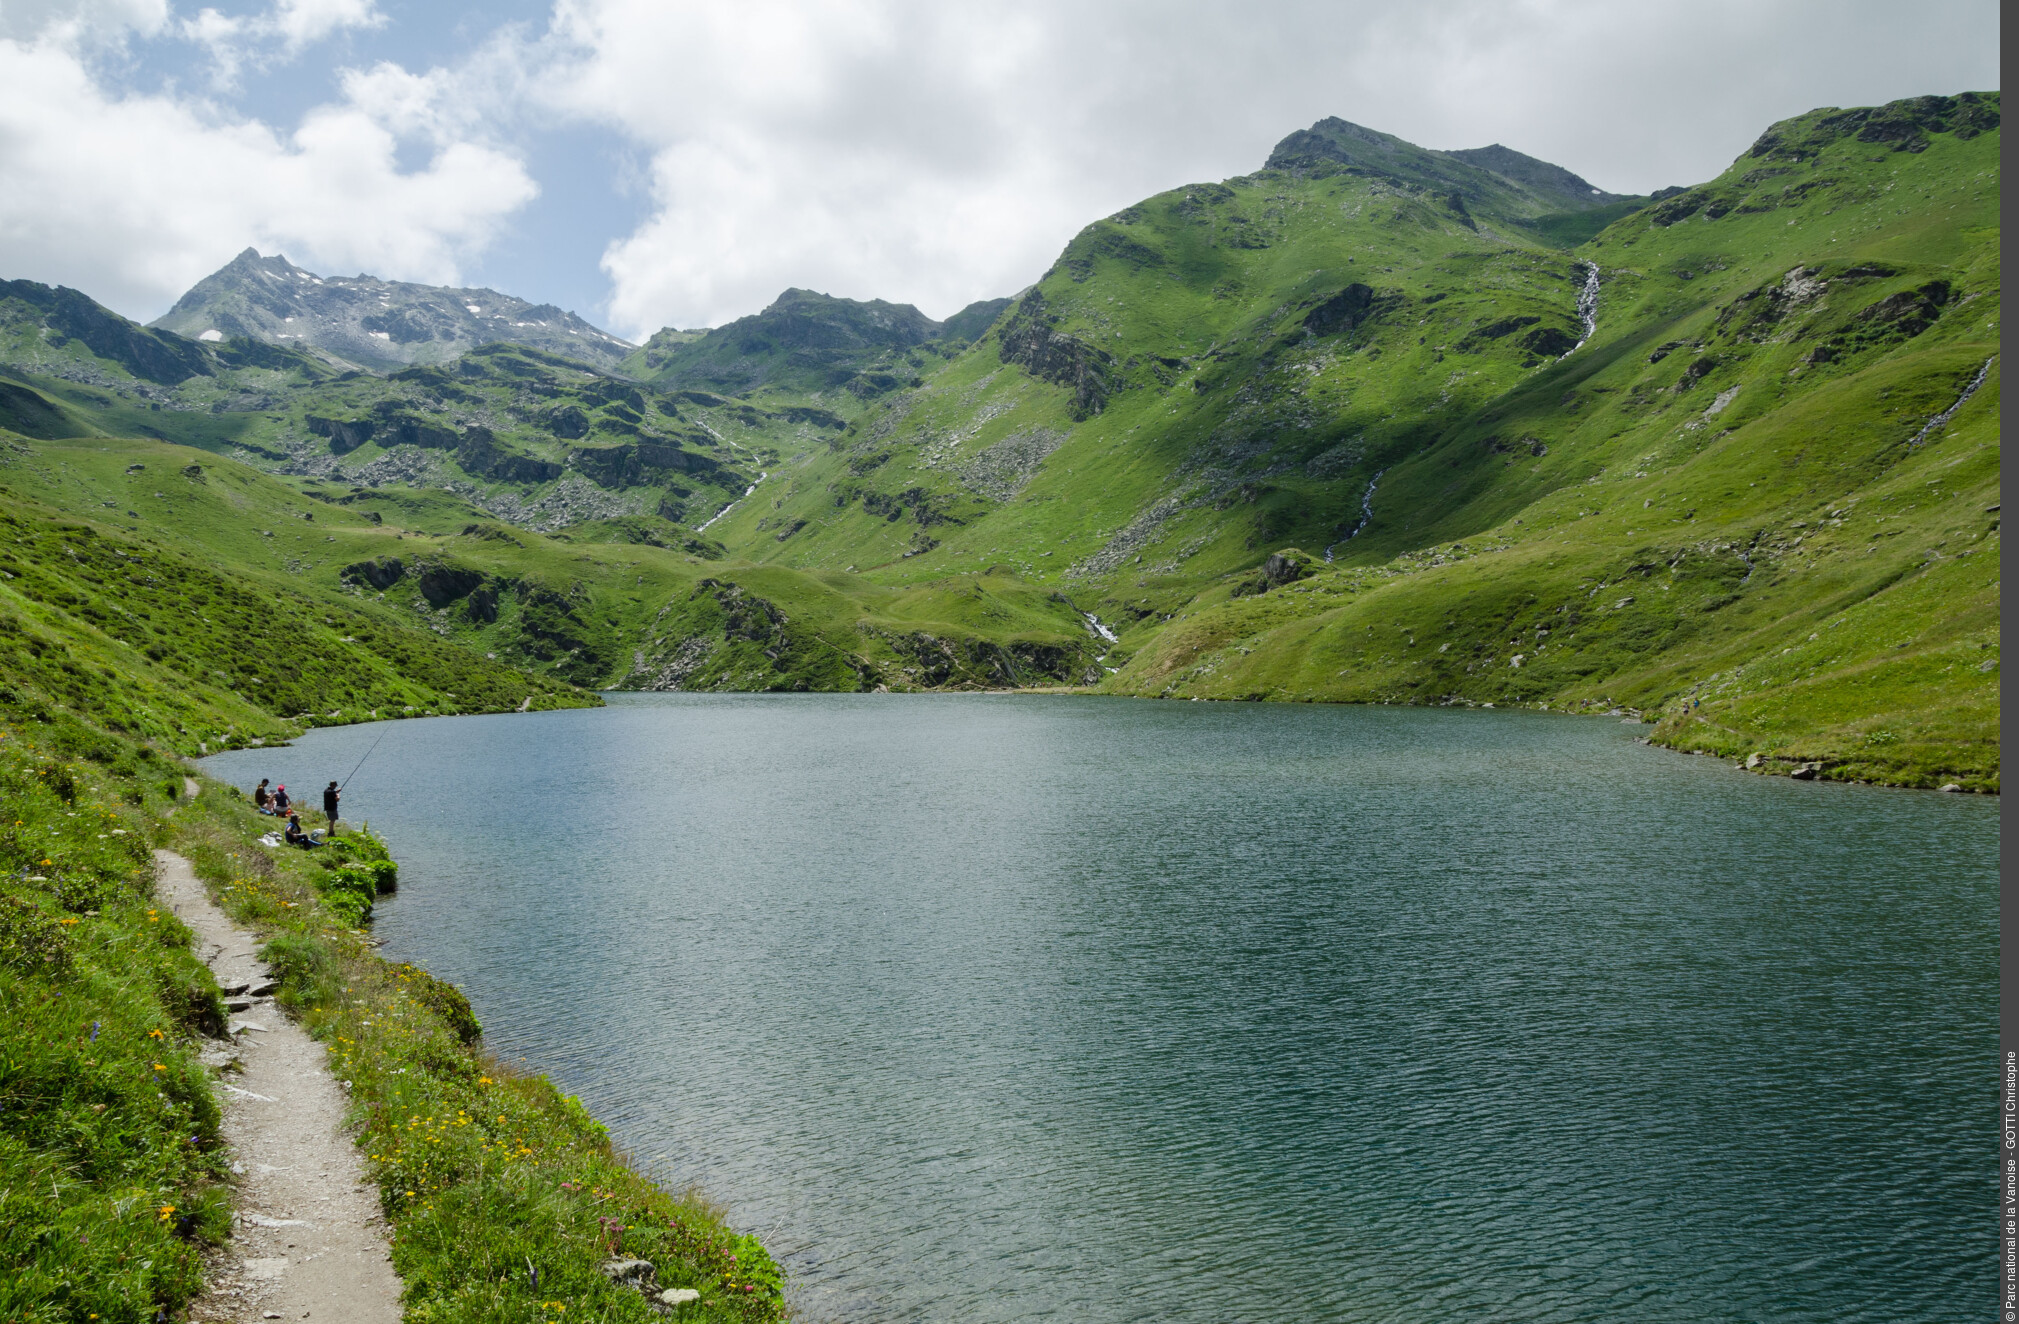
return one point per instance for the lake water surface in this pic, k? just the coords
(989, 1008)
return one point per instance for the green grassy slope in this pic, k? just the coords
(1214, 370)
(1739, 441)
(430, 570)
(169, 648)
(112, 1175)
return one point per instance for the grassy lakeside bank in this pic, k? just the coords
(112, 1175)
(504, 1195)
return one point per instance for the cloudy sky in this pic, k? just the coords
(659, 162)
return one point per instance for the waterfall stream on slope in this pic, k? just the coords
(1366, 512)
(1587, 309)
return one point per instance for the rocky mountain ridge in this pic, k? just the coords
(809, 344)
(362, 321)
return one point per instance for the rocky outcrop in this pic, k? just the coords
(634, 464)
(345, 434)
(381, 574)
(482, 457)
(397, 427)
(1901, 126)
(1344, 311)
(927, 508)
(934, 662)
(444, 582)
(69, 315)
(1549, 342)
(1285, 568)
(1030, 340)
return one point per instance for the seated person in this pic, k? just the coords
(297, 837)
(262, 799)
(280, 800)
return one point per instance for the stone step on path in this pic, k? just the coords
(309, 1241)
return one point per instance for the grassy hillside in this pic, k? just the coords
(466, 598)
(125, 625)
(1741, 456)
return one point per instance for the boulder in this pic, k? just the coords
(1282, 569)
(678, 1296)
(640, 1274)
(1805, 773)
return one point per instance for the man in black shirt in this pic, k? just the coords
(329, 805)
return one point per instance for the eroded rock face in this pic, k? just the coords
(381, 574)
(482, 457)
(1029, 340)
(1342, 312)
(483, 605)
(1902, 126)
(345, 434)
(982, 663)
(444, 583)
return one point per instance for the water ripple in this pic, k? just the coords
(1010, 1009)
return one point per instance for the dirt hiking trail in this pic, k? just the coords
(308, 1239)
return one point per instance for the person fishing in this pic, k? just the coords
(262, 799)
(330, 794)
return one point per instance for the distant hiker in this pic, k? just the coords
(262, 799)
(297, 837)
(329, 805)
(280, 800)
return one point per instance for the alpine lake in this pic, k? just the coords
(993, 1008)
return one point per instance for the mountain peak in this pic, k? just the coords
(365, 321)
(1489, 179)
(1536, 174)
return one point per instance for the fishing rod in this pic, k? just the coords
(361, 762)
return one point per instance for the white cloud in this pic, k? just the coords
(135, 197)
(913, 150)
(300, 22)
(902, 149)
(281, 33)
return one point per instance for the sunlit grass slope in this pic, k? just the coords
(476, 598)
(112, 1179)
(1743, 455)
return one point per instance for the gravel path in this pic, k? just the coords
(308, 1240)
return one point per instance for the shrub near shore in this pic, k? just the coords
(505, 1196)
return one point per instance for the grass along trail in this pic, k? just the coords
(309, 1238)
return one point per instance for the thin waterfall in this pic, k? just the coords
(1587, 308)
(1942, 418)
(1366, 512)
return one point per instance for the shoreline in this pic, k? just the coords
(458, 1142)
